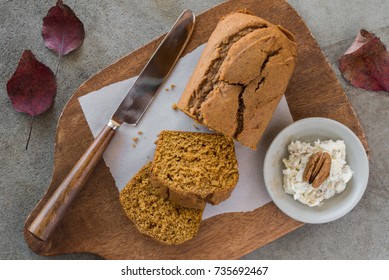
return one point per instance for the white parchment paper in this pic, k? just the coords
(125, 156)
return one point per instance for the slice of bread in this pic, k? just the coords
(155, 216)
(192, 168)
(241, 76)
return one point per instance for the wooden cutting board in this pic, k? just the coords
(97, 224)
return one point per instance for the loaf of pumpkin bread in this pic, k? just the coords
(192, 169)
(155, 216)
(241, 76)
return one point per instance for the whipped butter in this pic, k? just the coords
(295, 164)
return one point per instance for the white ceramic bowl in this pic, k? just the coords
(309, 130)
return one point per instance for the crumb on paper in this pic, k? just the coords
(134, 145)
(166, 89)
(135, 139)
(174, 106)
(140, 132)
(172, 86)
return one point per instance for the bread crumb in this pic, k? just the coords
(140, 132)
(135, 139)
(174, 106)
(172, 86)
(166, 89)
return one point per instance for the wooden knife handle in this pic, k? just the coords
(55, 208)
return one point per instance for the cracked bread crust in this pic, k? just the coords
(240, 78)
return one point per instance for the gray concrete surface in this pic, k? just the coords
(115, 28)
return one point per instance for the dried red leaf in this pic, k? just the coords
(62, 31)
(366, 63)
(32, 88)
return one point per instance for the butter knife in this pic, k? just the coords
(130, 111)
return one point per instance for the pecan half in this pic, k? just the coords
(317, 169)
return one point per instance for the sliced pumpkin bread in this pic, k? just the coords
(192, 168)
(155, 216)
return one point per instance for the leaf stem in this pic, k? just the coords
(58, 62)
(59, 55)
(29, 134)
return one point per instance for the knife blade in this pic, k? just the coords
(130, 111)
